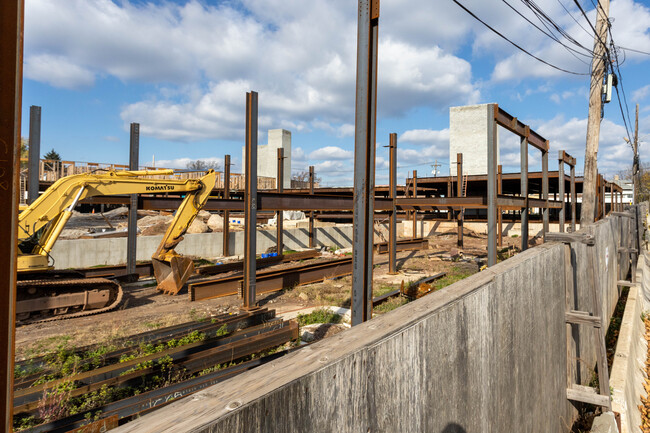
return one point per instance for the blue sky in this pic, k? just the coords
(181, 69)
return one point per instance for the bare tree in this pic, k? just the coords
(303, 177)
(201, 165)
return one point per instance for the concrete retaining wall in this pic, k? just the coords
(487, 354)
(85, 253)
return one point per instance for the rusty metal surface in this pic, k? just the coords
(403, 245)
(269, 281)
(261, 263)
(392, 224)
(226, 214)
(250, 199)
(11, 78)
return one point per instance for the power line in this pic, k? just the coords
(555, 38)
(514, 44)
(634, 50)
(584, 14)
(574, 18)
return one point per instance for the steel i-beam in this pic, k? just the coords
(492, 155)
(364, 159)
(459, 187)
(392, 224)
(250, 195)
(311, 213)
(11, 79)
(545, 210)
(132, 235)
(560, 177)
(524, 189)
(280, 215)
(226, 213)
(34, 152)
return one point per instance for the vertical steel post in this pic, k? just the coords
(11, 79)
(311, 213)
(611, 197)
(280, 215)
(560, 186)
(226, 213)
(492, 183)
(392, 224)
(364, 160)
(573, 198)
(545, 189)
(602, 196)
(499, 216)
(449, 210)
(524, 188)
(250, 205)
(34, 153)
(459, 190)
(414, 216)
(132, 235)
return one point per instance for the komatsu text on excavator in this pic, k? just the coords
(48, 294)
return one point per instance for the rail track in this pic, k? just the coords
(151, 369)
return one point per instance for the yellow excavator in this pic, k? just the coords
(48, 294)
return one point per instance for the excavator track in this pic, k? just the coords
(46, 300)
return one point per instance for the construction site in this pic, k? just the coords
(150, 299)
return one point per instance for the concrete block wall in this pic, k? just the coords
(486, 354)
(468, 134)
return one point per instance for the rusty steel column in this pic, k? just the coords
(33, 163)
(11, 79)
(545, 190)
(459, 190)
(132, 234)
(226, 214)
(560, 186)
(250, 205)
(602, 196)
(414, 216)
(524, 189)
(392, 224)
(279, 224)
(492, 155)
(573, 199)
(449, 210)
(364, 160)
(311, 213)
(499, 216)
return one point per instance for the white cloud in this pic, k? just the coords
(203, 57)
(331, 152)
(58, 72)
(425, 136)
(641, 93)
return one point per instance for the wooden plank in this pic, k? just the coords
(627, 250)
(583, 319)
(624, 283)
(623, 214)
(570, 237)
(590, 397)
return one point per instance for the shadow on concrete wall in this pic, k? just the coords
(290, 236)
(343, 235)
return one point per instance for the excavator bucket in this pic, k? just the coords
(172, 275)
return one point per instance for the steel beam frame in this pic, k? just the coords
(545, 210)
(414, 214)
(250, 206)
(364, 160)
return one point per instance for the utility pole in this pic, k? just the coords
(435, 168)
(598, 69)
